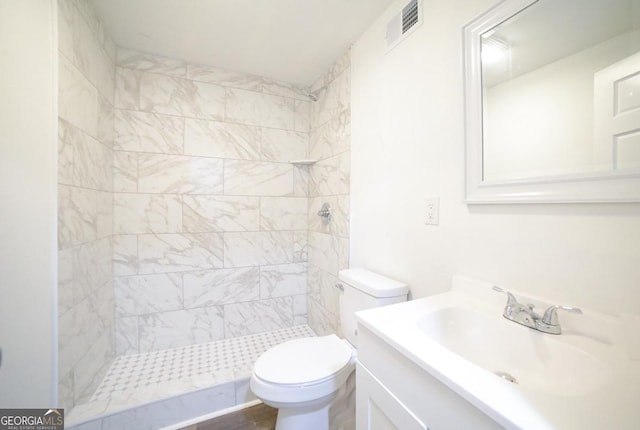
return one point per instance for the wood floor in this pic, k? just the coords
(259, 417)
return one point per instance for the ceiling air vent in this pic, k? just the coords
(409, 16)
(403, 24)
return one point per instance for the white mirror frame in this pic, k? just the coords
(582, 188)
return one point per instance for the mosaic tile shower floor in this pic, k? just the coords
(141, 378)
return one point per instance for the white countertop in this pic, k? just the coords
(609, 401)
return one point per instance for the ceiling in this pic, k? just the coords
(550, 30)
(294, 41)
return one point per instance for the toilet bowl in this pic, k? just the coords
(303, 377)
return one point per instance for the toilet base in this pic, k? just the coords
(303, 418)
(336, 410)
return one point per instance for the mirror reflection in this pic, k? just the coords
(561, 90)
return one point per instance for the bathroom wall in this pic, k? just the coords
(329, 182)
(28, 117)
(210, 219)
(408, 144)
(85, 200)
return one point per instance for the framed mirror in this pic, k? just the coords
(552, 100)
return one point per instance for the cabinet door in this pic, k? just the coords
(378, 409)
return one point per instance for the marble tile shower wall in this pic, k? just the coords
(85, 154)
(210, 220)
(329, 182)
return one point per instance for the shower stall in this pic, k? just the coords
(187, 233)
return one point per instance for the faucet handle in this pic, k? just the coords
(550, 316)
(511, 299)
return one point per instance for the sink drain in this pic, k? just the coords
(507, 377)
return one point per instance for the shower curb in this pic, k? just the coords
(174, 410)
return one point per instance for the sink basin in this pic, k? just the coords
(517, 354)
(584, 378)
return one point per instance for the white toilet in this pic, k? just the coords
(302, 377)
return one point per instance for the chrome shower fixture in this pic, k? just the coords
(314, 95)
(325, 213)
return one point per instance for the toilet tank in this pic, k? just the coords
(364, 290)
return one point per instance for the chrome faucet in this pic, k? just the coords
(549, 322)
(525, 315)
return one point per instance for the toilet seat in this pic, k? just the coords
(306, 372)
(303, 362)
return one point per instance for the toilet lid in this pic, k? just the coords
(302, 361)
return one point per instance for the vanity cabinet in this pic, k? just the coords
(395, 393)
(379, 408)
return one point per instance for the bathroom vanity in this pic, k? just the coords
(452, 361)
(396, 393)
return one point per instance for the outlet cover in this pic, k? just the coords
(432, 213)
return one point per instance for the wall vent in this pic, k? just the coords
(404, 23)
(409, 15)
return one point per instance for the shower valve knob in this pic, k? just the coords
(325, 213)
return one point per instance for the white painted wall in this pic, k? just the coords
(408, 143)
(28, 147)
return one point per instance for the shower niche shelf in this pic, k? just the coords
(303, 162)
